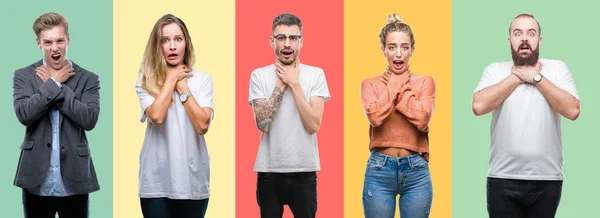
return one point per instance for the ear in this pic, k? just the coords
(272, 42)
(383, 51)
(300, 42)
(540, 42)
(68, 40)
(412, 50)
(38, 43)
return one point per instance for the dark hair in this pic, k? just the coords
(529, 16)
(288, 20)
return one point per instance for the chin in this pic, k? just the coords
(173, 63)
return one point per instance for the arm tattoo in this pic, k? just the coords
(264, 112)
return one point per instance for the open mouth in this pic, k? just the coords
(287, 53)
(172, 56)
(56, 57)
(524, 47)
(398, 64)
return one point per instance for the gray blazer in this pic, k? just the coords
(79, 104)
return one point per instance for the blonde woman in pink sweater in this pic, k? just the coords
(398, 105)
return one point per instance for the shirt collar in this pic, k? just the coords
(44, 62)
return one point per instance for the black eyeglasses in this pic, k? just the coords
(282, 37)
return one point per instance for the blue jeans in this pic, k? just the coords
(172, 208)
(386, 177)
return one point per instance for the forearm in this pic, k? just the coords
(418, 111)
(265, 111)
(84, 113)
(376, 107)
(560, 100)
(157, 111)
(199, 116)
(309, 115)
(490, 98)
(29, 104)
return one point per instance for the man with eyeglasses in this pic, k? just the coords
(288, 100)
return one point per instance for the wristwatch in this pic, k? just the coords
(184, 96)
(537, 78)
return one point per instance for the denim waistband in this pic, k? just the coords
(396, 159)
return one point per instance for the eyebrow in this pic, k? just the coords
(164, 37)
(401, 44)
(49, 40)
(527, 30)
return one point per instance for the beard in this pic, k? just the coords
(279, 55)
(529, 60)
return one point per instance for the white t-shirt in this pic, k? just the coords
(287, 146)
(526, 141)
(174, 161)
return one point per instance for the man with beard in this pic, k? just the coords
(58, 101)
(527, 97)
(288, 100)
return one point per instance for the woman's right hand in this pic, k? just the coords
(386, 76)
(178, 73)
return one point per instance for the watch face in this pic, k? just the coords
(537, 77)
(183, 97)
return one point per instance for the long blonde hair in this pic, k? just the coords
(154, 66)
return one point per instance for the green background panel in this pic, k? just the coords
(90, 28)
(480, 33)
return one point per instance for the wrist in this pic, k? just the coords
(171, 80)
(515, 79)
(57, 83)
(280, 85)
(185, 90)
(294, 85)
(536, 78)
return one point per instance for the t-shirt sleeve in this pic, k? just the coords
(204, 94)
(321, 89)
(255, 88)
(145, 98)
(565, 80)
(489, 77)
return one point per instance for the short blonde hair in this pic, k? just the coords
(49, 21)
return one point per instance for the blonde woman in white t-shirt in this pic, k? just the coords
(177, 101)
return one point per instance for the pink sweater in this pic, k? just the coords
(399, 113)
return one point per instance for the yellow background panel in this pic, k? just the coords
(211, 26)
(431, 22)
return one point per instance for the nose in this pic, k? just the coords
(54, 47)
(524, 38)
(172, 45)
(287, 42)
(398, 53)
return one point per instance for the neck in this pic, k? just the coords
(400, 73)
(173, 66)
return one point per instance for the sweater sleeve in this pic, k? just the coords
(418, 106)
(376, 107)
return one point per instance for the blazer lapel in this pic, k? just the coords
(37, 79)
(72, 83)
(39, 83)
